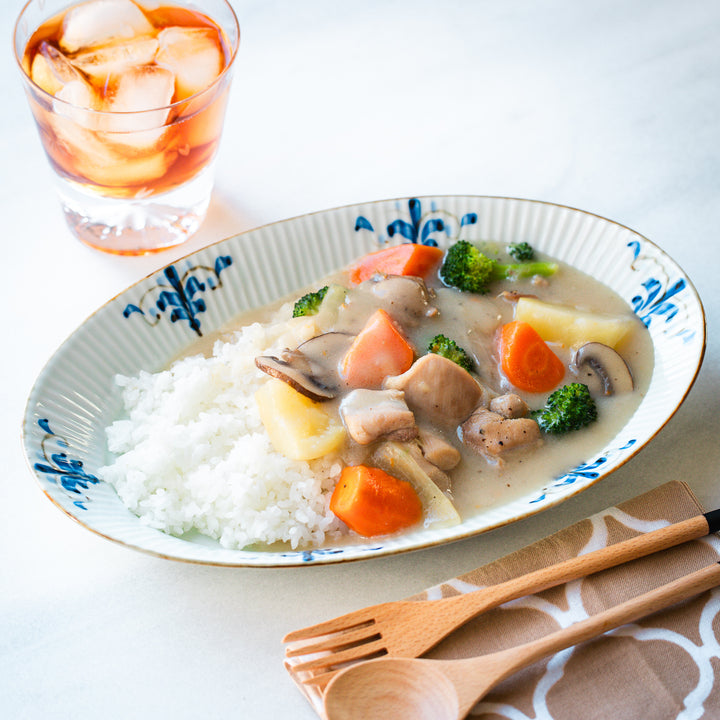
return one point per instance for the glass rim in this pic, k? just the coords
(234, 48)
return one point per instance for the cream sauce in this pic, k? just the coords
(472, 320)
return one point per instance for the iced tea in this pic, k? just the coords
(129, 99)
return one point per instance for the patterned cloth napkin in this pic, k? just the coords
(659, 668)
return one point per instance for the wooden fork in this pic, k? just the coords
(391, 687)
(410, 628)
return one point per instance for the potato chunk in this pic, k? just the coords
(572, 327)
(299, 428)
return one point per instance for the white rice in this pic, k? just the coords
(193, 453)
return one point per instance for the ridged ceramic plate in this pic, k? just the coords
(154, 320)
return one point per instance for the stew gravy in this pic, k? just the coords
(472, 321)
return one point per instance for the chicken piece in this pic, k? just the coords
(404, 297)
(439, 389)
(491, 434)
(371, 414)
(437, 450)
(440, 478)
(509, 406)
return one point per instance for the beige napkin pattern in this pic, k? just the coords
(664, 667)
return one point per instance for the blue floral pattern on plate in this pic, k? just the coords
(67, 471)
(421, 229)
(660, 297)
(585, 471)
(180, 295)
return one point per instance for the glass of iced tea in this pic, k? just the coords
(129, 99)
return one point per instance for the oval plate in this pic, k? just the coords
(144, 327)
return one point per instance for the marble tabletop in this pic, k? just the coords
(611, 107)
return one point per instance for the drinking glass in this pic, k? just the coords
(130, 181)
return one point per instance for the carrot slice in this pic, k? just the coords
(377, 351)
(528, 363)
(405, 259)
(372, 502)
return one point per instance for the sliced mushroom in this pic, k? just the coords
(602, 369)
(311, 368)
(295, 373)
(324, 353)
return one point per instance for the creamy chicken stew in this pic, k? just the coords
(366, 387)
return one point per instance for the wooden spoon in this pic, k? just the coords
(423, 689)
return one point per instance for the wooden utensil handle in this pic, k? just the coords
(465, 607)
(628, 611)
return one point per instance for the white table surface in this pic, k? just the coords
(605, 105)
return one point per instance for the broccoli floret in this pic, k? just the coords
(442, 345)
(522, 252)
(309, 304)
(568, 408)
(466, 268)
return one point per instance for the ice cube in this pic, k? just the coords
(101, 162)
(139, 107)
(144, 87)
(103, 63)
(132, 171)
(98, 22)
(193, 54)
(78, 94)
(112, 159)
(52, 71)
(76, 139)
(75, 99)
